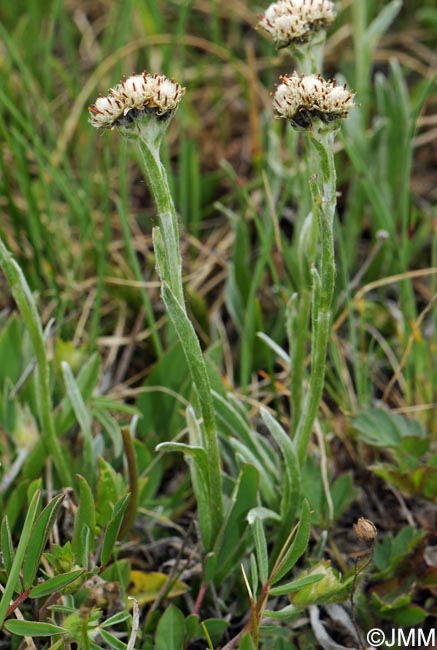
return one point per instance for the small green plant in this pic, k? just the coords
(411, 464)
(141, 107)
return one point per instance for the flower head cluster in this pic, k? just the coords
(301, 99)
(295, 21)
(139, 93)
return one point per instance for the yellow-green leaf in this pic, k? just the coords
(145, 587)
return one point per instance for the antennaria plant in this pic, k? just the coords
(141, 108)
(314, 106)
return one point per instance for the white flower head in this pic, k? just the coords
(301, 99)
(295, 21)
(136, 96)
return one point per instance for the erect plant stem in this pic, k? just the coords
(158, 184)
(167, 250)
(324, 201)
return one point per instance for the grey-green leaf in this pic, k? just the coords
(299, 544)
(113, 529)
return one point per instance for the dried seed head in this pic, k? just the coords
(301, 99)
(135, 95)
(295, 21)
(365, 530)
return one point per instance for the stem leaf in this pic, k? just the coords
(197, 460)
(298, 546)
(261, 549)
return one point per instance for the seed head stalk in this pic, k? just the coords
(324, 203)
(171, 272)
(141, 108)
(157, 182)
(169, 235)
(300, 26)
(315, 106)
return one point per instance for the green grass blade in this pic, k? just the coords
(84, 420)
(14, 574)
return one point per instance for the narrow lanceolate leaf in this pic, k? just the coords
(7, 545)
(112, 640)
(113, 529)
(197, 459)
(40, 534)
(84, 420)
(86, 380)
(261, 550)
(29, 628)
(292, 473)
(118, 618)
(298, 546)
(193, 353)
(26, 533)
(85, 516)
(230, 545)
(56, 584)
(296, 585)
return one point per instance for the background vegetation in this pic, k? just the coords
(77, 216)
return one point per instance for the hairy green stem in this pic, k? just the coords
(26, 304)
(299, 339)
(167, 250)
(158, 185)
(324, 201)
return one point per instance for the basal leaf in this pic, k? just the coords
(113, 529)
(40, 533)
(170, 632)
(230, 545)
(7, 544)
(299, 544)
(85, 516)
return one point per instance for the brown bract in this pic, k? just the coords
(142, 92)
(301, 99)
(295, 21)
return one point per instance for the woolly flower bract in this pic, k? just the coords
(295, 21)
(300, 99)
(140, 92)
